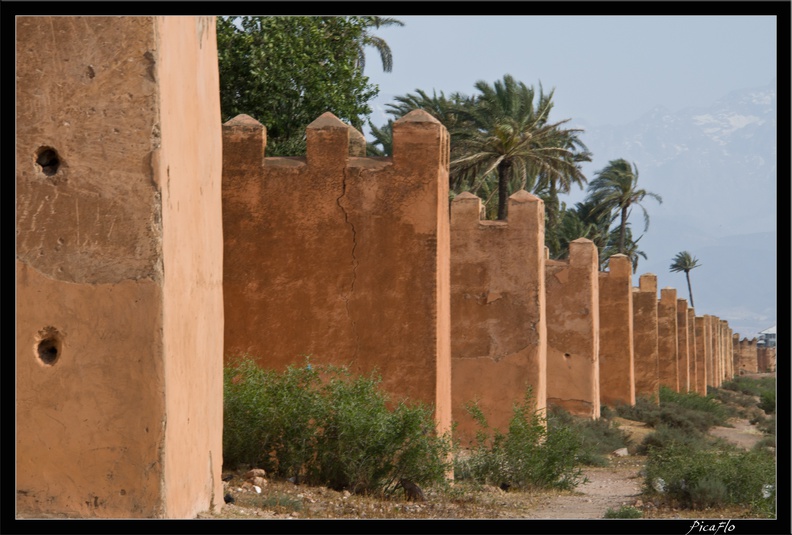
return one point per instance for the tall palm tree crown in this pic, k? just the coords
(368, 39)
(549, 185)
(615, 190)
(510, 136)
(684, 261)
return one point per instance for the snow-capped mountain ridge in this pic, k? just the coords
(715, 168)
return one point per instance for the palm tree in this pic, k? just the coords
(367, 39)
(449, 110)
(684, 261)
(511, 137)
(549, 185)
(383, 136)
(630, 247)
(615, 191)
(582, 221)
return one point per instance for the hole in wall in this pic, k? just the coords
(567, 355)
(48, 160)
(49, 346)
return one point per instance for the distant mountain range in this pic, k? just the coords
(715, 168)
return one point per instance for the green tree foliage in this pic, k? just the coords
(509, 133)
(582, 221)
(549, 185)
(685, 261)
(287, 71)
(615, 191)
(630, 247)
(588, 220)
(383, 140)
(502, 140)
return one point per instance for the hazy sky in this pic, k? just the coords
(605, 69)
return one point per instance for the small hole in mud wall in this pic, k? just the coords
(48, 349)
(48, 160)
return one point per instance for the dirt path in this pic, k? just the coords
(620, 484)
(742, 433)
(608, 487)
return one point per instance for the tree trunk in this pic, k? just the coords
(503, 190)
(623, 229)
(551, 231)
(690, 291)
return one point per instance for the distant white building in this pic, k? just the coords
(767, 338)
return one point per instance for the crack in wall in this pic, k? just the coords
(355, 264)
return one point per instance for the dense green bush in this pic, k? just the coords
(321, 425)
(365, 446)
(733, 397)
(695, 478)
(269, 418)
(529, 455)
(750, 385)
(689, 411)
(598, 438)
(767, 401)
(692, 402)
(665, 435)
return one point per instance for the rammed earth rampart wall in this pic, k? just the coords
(728, 351)
(647, 378)
(683, 347)
(119, 267)
(573, 330)
(617, 372)
(717, 352)
(702, 356)
(692, 358)
(746, 355)
(339, 258)
(499, 333)
(766, 357)
(667, 332)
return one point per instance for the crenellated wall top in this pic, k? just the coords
(525, 211)
(418, 139)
